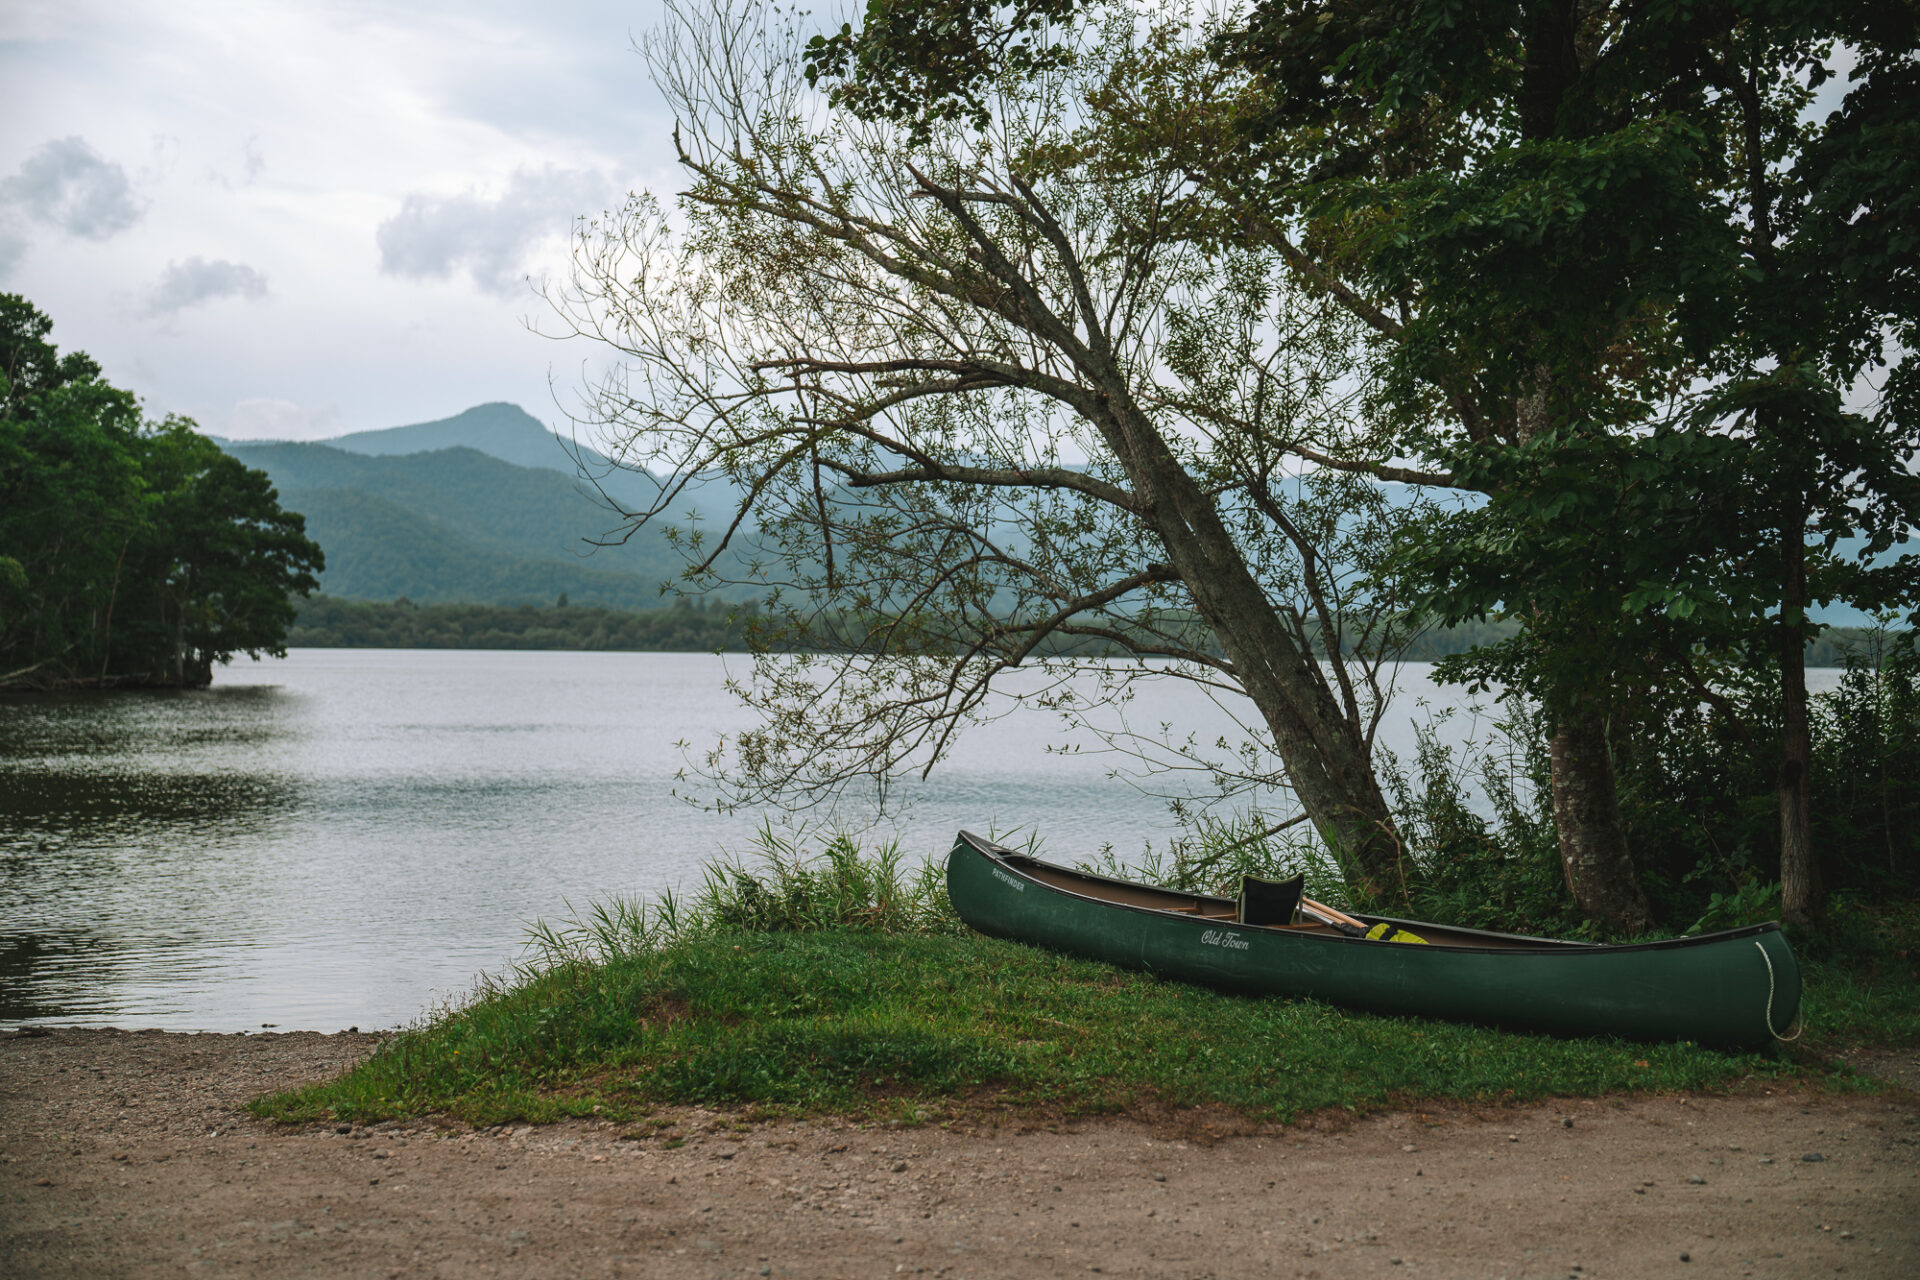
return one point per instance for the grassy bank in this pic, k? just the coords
(843, 985)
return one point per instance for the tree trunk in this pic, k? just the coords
(1595, 858)
(1325, 759)
(196, 671)
(1593, 841)
(1801, 894)
(113, 594)
(178, 661)
(1324, 754)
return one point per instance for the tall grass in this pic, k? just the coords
(780, 886)
(1216, 850)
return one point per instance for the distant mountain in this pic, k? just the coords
(490, 507)
(511, 434)
(457, 525)
(485, 507)
(503, 431)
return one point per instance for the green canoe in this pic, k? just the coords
(1738, 988)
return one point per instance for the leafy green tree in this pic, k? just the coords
(1736, 264)
(71, 501)
(1827, 289)
(130, 553)
(1571, 227)
(223, 562)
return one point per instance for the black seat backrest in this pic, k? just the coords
(1270, 901)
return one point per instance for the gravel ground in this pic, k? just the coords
(124, 1154)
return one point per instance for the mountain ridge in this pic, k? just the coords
(541, 513)
(460, 525)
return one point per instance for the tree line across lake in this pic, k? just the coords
(711, 626)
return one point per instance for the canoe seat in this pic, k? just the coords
(1269, 902)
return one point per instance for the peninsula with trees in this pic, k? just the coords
(133, 552)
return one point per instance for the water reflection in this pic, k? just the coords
(78, 977)
(36, 977)
(50, 808)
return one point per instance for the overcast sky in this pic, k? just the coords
(294, 220)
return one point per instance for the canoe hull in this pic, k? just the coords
(1737, 989)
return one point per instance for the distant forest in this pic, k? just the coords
(684, 627)
(707, 627)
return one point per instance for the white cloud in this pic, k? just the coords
(69, 185)
(355, 105)
(196, 281)
(492, 238)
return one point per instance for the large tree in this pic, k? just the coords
(979, 391)
(1620, 231)
(1611, 259)
(1827, 298)
(1632, 227)
(130, 552)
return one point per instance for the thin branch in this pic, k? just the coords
(1378, 470)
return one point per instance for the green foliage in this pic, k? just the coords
(1751, 903)
(1497, 870)
(918, 63)
(1700, 803)
(1630, 268)
(786, 892)
(686, 626)
(781, 888)
(130, 552)
(1464, 867)
(1867, 990)
(1578, 226)
(30, 365)
(1218, 850)
(1868, 797)
(1568, 540)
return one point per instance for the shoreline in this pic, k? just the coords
(126, 1153)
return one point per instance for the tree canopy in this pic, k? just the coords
(1597, 266)
(132, 552)
(1624, 282)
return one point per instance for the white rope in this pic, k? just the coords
(1795, 1026)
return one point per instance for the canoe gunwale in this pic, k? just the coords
(1505, 943)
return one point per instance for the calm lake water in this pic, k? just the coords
(347, 837)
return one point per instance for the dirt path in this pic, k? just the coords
(123, 1154)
